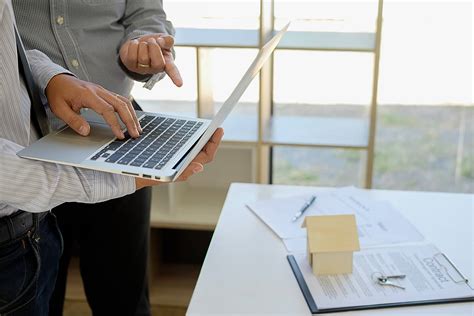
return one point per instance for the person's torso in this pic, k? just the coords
(81, 35)
(14, 100)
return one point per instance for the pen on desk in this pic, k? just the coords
(304, 208)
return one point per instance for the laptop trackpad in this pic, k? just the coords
(66, 146)
(100, 133)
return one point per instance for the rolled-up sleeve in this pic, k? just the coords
(36, 186)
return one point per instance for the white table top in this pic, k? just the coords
(246, 271)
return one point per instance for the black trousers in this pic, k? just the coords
(113, 240)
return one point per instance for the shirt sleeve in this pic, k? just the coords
(144, 17)
(43, 69)
(2, 6)
(36, 186)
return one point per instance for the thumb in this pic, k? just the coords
(193, 168)
(79, 124)
(71, 118)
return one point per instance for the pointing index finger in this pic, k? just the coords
(166, 43)
(171, 70)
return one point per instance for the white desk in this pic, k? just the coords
(246, 271)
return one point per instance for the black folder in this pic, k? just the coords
(313, 307)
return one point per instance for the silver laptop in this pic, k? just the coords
(166, 147)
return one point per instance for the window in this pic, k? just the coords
(426, 114)
(317, 130)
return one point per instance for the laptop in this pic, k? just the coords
(166, 147)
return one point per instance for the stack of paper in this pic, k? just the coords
(429, 277)
(378, 222)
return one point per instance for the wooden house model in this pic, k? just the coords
(331, 241)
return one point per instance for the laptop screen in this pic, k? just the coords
(232, 100)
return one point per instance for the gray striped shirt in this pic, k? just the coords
(31, 185)
(85, 36)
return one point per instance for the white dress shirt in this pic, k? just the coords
(29, 185)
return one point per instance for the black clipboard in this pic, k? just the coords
(313, 307)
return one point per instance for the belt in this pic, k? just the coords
(17, 225)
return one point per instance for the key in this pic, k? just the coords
(385, 278)
(390, 283)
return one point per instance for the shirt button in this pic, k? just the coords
(75, 63)
(60, 20)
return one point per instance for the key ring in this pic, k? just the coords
(376, 276)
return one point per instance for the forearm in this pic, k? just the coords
(39, 186)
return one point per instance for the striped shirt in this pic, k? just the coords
(30, 185)
(85, 36)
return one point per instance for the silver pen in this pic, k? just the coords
(304, 208)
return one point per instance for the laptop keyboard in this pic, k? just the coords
(161, 138)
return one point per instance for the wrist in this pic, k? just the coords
(54, 80)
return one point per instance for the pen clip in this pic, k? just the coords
(303, 209)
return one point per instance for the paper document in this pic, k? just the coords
(378, 222)
(428, 277)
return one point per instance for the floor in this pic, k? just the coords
(76, 308)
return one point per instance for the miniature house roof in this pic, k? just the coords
(332, 233)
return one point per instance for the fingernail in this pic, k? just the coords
(198, 169)
(83, 130)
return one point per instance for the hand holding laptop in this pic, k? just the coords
(67, 95)
(171, 148)
(206, 156)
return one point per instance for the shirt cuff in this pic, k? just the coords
(136, 34)
(108, 186)
(139, 33)
(44, 69)
(44, 78)
(133, 75)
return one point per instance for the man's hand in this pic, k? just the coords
(67, 95)
(206, 155)
(151, 54)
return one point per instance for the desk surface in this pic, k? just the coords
(246, 272)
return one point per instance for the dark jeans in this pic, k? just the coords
(28, 269)
(113, 239)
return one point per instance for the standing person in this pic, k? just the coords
(30, 242)
(110, 43)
